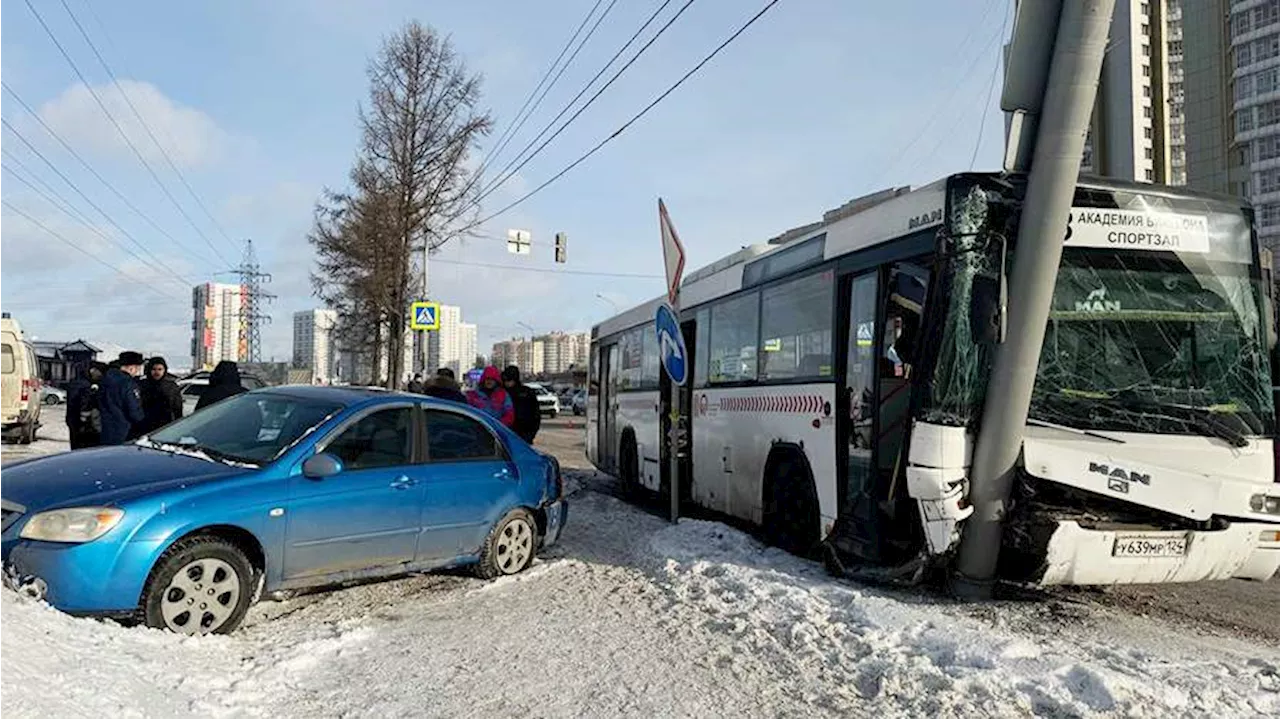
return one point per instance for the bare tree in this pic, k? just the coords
(411, 191)
(417, 132)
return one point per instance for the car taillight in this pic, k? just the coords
(27, 386)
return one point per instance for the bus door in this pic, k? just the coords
(608, 408)
(881, 311)
(590, 407)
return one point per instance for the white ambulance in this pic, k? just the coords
(20, 389)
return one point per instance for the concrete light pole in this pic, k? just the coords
(1068, 98)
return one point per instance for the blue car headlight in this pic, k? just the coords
(72, 525)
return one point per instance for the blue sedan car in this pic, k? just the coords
(273, 490)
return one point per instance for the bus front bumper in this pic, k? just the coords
(1076, 555)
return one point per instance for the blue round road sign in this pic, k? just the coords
(675, 360)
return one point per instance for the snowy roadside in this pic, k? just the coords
(631, 616)
(52, 437)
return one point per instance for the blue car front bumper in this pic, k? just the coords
(90, 578)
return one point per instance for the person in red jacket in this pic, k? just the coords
(492, 399)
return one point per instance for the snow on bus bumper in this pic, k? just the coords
(1076, 555)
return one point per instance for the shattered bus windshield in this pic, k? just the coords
(1145, 340)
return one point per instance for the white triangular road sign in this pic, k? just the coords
(672, 252)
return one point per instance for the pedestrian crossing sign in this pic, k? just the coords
(425, 316)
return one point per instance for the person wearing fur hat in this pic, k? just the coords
(120, 401)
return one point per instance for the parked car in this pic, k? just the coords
(579, 403)
(51, 395)
(548, 403)
(193, 386)
(272, 490)
(19, 384)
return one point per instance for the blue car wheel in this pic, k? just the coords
(201, 585)
(510, 546)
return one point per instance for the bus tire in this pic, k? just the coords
(629, 465)
(790, 519)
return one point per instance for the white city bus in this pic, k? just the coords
(839, 374)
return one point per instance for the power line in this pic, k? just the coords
(986, 106)
(548, 270)
(85, 252)
(507, 134)
(5, 123)
(634, 118)
(120, 130)
(84, 163)
(586, 87)
(564, 67)
(13, 160)
(73, 215)
(933, 115)
(503, 178)
(944, 137)
(145, 126)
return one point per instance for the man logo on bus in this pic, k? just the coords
(1096, 301)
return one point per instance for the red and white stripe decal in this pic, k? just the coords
(786, 404)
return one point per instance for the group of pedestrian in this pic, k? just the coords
(500, 395)
(114, 403)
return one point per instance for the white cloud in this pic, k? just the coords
(30, 249)
(285, 199)
(189, 136)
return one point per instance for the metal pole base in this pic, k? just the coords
(971, 590)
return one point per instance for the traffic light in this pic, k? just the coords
(560, 242)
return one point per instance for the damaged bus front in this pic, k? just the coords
(1149, 452)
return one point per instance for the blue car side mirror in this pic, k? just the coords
(321, 466)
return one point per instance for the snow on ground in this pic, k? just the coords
(631, 616)
(52, 437)
(857, 650)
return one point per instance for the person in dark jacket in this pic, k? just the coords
(415, 385)
(444, 386)
(84, 418)
(224, 382)
(161, 397)
(525, 401)
(120, 401)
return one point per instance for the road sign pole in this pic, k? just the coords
(675, 358)
(673, 441)
(421, 364)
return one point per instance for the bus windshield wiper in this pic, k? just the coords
(1204, 419)
(1073, 430)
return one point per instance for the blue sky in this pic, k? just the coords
(819, 102)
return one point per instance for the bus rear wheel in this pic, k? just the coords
(790, 518)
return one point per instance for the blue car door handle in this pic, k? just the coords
(402, 482)
(503, 473)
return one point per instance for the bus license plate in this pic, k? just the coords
(1149, 545)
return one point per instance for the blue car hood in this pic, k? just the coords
(104, 475)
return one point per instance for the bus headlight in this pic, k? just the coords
(1264, 503)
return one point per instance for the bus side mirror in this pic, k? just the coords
(987, 309)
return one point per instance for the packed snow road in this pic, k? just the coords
(631, 616)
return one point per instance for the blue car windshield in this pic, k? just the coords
(252, 428)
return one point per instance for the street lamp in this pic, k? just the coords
(612, 304)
